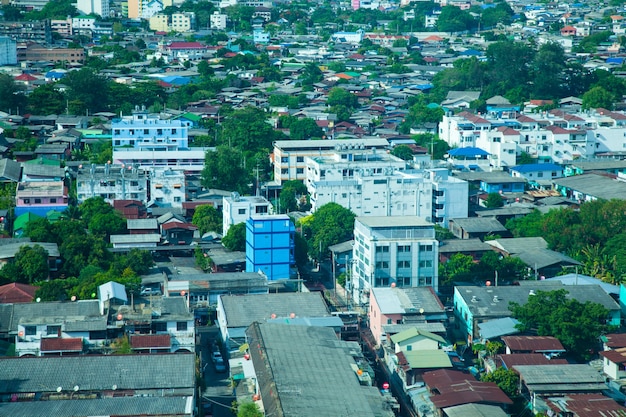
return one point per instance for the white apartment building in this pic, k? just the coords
(183, 22)
(218, 20)
(167, 187)
(450, 197)
(83, 23)
(8, 51)
(289, 155)
(238, 209)
(146, 141)
(99, 7)
(111, 182)
(392, 251)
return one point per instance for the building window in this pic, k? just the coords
(382, 265)
(146, 131)
(382, 249)
(404, 248)
(404, 264)
(27, 201)
(177, 199)
(53, 200)
(241, 211)
(299, 170)
(38, 201)
(181, 326)
(30, 330)
(160, 327)
(426, 264)
(426, 248)
(284, 159)
(53, 330)
(300, 159)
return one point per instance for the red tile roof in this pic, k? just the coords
(146, 341)
(25, 77)
(533, 343)
(613, 340)
(455, 388)
(178, 225)
(616, 356)
(528, 359)
(186, 45)
(17, 293)
(58, 344)
(587, 405)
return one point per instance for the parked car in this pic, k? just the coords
(216, 355)
(150, 291)
(220, 366)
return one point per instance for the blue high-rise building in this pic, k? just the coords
(270, 245)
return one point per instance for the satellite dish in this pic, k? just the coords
(114, 387)
(59, 389)
(421, 311)
(38, 300)
(76, 388)
(73, 298)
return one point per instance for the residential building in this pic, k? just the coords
(36, 52)
(538, 175)
(401, 251)
(83, 25)
(111, 182)
(546, 345)
(28, 31)
(238, 209)
(144, 141)
(39, 197)
(218, 20)
(270, 246)
(90, 7)
(16, 292)
(289, 155)
(183, 51)
(306, 388)
(590, 187)
(160, 22)
(236, 312)
(450, 197)
(167, 187)
(11, 247)
(183, 22)
(91, 384)
(8, 51)
(393, 310)
(474, 304)
(62, 26)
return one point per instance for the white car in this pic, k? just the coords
(150, 291)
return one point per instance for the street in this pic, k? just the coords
(217, 389)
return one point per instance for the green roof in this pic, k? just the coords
(22, 220)
(54, 215)
(427, 359)
(190, 116)
(44, 161)
(352, 73)
(411, 333)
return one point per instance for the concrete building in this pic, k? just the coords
(99, 7)
(111, 182)
(8, 51)
(270, 245)
(167, 187)
(39, 197)
(450, 197)
(218, 20)
(144, 141)
(238, 209)
(289, 155)
(183, 22)
(401, 251)
(36, 52)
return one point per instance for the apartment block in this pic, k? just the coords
(399, 251)
(270, 246)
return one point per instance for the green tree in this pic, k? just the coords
(32, 264)
(552, 313)
(249, 410)
(248, 130)
(235, 238)
(208, 219)
(45, 100)
(107, 224)
(548, 71)
(329, 225)
(403, 152)
(139, 261)
(506, 379)
(290, 195)
(453, 19)
(494, 200)
(205, 69)
(311, 74)
(56, 289)
(224, 169)
(13, 100)
(304, 128)
(87, 91)
(339, 96)
(598, 97)
(458, 268)
(121, 346)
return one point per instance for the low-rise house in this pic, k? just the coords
(473, 247)
(546, 345)
(178, 233)
(449, 388)
(584, 404)
(142, 226)
(332, 384)
(138, 241)
(11, 248)
(494, 182)
(509, 361)
(16, 292)
(236, 312)
(477, 227)
(111, 182)
(474, 304)
(589, 187)
(538, 175)
(99, 385)
(540, 382)
(394, 310)
(39, 197)
(131, 209)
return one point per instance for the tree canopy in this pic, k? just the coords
(329, 225)
(552, 313)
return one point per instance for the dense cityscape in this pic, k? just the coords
(341, 208)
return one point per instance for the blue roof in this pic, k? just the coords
(471, 52)
(468, 152)
(537, 167)
(615, 60)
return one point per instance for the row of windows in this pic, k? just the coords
(404, 248)
(403, 281)
(145, 131)
(38, 200)
(404, 264)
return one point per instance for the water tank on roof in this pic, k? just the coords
(235, 196)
